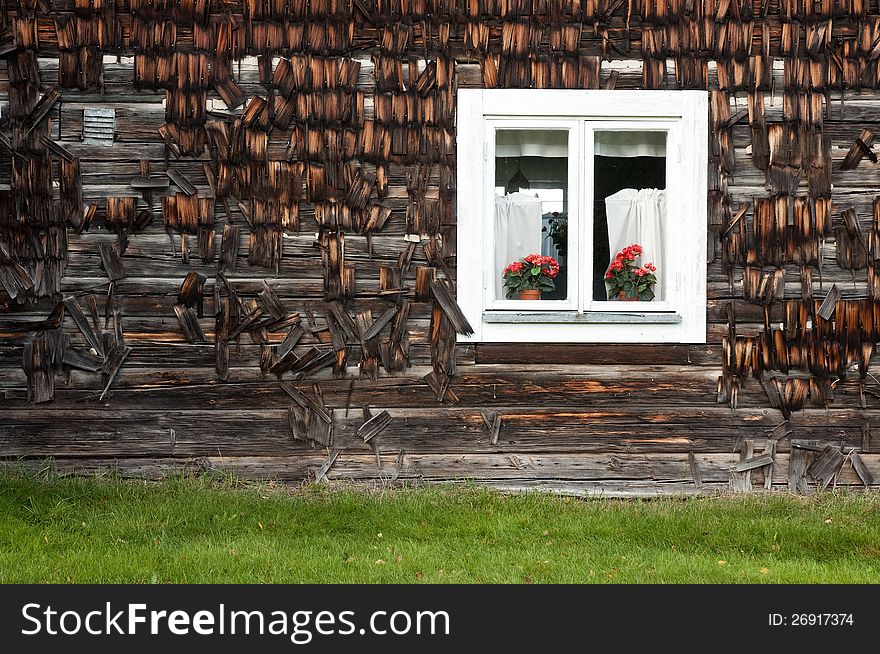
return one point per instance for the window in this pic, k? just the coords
(578, 176)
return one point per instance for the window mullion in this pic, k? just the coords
(575, 200)
(585, 245)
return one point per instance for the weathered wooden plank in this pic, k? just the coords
(493, 424)
(416, 430)
(296, 469)
(143, 434)
(149, 255)
(167, 348)
(826, 465)
(741, 480)
(140, 299)
(248, 323)
(780, 431)
(800, 459)
(576, 353)
(696, 475)
(313, 360)
(321, 473)
(152, 468)
(285, 348)
(604, 488)
(497, 467)
(859, 149)
(860, 469)
(478, 386)
(770, 450)
(753, 462)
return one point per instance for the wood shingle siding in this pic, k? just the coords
(254, 272)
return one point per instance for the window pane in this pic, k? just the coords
(629, 209)
(531, 210)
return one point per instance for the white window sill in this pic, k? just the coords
(591, 317)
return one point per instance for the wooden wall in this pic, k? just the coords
(255, 276)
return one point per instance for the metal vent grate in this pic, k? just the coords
(99, 126)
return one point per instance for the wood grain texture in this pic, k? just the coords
(352, 132)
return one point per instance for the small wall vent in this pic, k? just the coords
(99, 126)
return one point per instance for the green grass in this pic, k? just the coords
(56, 529)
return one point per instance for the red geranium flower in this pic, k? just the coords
(625, 277)
(532, 272)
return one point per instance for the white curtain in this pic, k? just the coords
(517, 232)
(630, 144)
(638, 216)
(545, 143)
(531, 143)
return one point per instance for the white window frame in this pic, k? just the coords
(680, 316)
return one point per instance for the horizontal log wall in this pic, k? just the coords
(205, 377)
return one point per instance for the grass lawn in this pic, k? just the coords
(202, 530)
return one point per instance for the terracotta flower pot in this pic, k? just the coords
(623, 298)
(530, 294)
